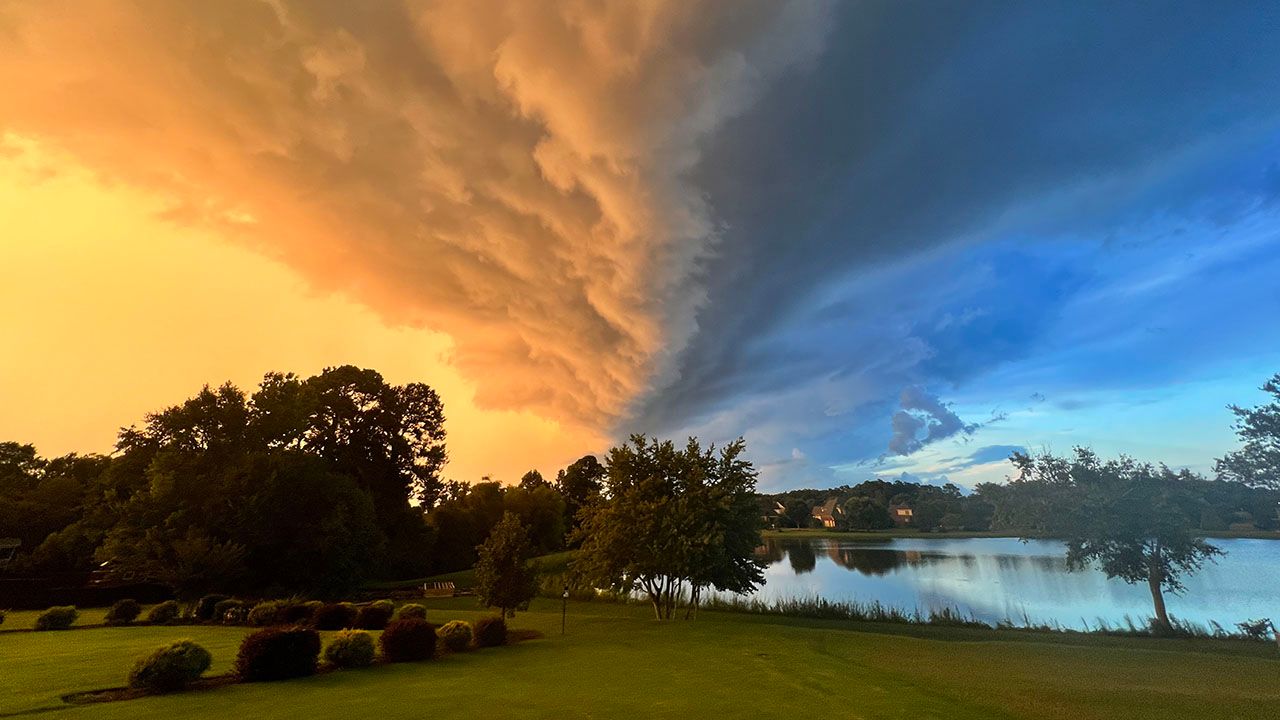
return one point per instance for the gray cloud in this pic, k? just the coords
(922, 411)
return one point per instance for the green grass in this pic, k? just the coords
(556, 562)
(617, 662)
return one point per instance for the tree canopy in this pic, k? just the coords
(1257, 463)
(672, 523)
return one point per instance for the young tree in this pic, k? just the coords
(504, 579)
(1257, 463)
(673, 522)
(1134, 521)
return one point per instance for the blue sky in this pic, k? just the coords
(987, 230)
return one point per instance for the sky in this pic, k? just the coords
(876, 239)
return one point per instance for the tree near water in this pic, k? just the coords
(1257, 463)
(673, 523)
(1134, 521)
(504, 579)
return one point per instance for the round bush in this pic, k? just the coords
(278, 653)
(60, 617)
(491, 631)
(336, 616)
(207, 607)
(408, 640)
(301, 613)
(456, 635)
(268, 612)
(164, 613)
(171, 667)
(123, 612)
(229, 611)
(350, 649)
(412, 610)
(375, 615)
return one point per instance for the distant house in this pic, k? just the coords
(901, 514)
(827, 512)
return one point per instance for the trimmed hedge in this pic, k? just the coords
(123, 612)
(278, 653)
(59, 617)
(229, 611)
(206, 607)
(350, 649)
(298, 612)
(267, 612)
(171, 667)
(456, 635)
(164, 613)
(491, 631)
(412, 610)
(408, 640)
(336, 616)
(375, 615)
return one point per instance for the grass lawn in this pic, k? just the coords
(618, 662)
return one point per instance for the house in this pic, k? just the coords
(901, 514)
(827, 512)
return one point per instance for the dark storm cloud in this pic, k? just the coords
(926, 125)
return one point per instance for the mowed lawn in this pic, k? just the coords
(617, 662)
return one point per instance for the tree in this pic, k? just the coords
(797, 513)
(672, 523)
(580, 485)
(1257, 463)
(504, 579)
(864, 513)
(532, 479)
(1134, 521)
(541, 510)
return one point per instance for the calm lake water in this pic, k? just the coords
(994, 579)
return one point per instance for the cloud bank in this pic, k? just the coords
(513, 174)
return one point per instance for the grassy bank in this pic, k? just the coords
(617, 662)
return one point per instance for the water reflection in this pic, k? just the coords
(997, 579)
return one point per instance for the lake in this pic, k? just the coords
(994, 579)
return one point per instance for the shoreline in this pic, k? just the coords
(886, 535)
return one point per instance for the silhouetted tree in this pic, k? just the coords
(504, 579)
(1134, 521)
(1257, 463)
(533, 479)
(580, 485)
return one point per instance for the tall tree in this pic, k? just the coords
(1257, 463)
(1134, 521)
(580, 485)
(673, 522)
(504, 579)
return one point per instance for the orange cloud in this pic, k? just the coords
(511, 175)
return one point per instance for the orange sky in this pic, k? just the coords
(490, 197)
(112, 312)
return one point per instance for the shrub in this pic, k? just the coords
(491, 631)
(456, 635)
(278, 653)
(336, 616)
(123, 612)
(412, 610)
(164, 613)
(350, 649)
(408, 640)
(60, 617)
(170, 667)
(206, 608)
(229, 611)
(267, 612)
(375, 615)
(301, 613)
(2, 613)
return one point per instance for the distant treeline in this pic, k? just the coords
(1222, 505)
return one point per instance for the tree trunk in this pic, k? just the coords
(1155, 578)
